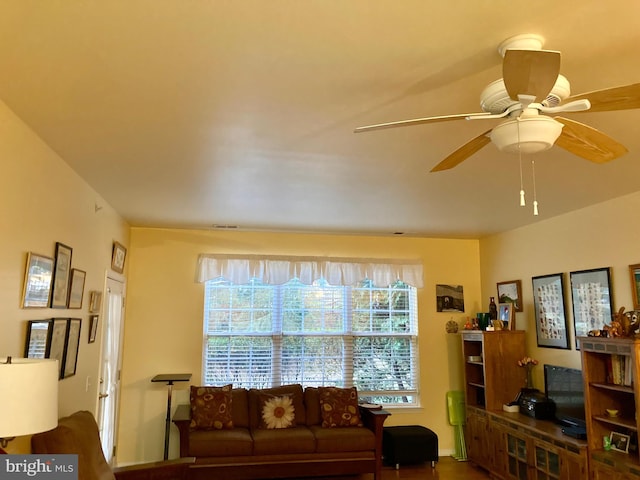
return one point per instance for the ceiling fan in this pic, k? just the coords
(530, 91)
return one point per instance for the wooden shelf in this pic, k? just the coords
(475, 363)
(627, 423)
(613, 387)
(473, 384)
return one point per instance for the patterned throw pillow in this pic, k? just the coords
(277, 411)
(211, 408)
(339, 407)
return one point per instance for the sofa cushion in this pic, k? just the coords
(296, 393)
(283, 440)
(276, 411)
(211, 407)
(220, 443)
(312, 404)
(240, 407)
(339, 407)
(343, 439)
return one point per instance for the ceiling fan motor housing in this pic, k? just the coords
(495, 99)
(526, 135)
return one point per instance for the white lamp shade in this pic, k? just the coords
(28, 396)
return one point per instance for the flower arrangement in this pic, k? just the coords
(528, 363)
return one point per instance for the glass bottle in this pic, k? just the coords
(493, 309)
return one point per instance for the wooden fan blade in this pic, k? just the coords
(587, 142)
(420, 121)
(625, 97)
(463, 152)
(530, 72)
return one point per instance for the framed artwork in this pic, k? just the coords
(37, 338)
(95, 301)
(71, 350)
(93, 328)
(591, 298)
(511, 292)
(118, 256)
(58, 342)
(61, 275)
(76, 288)
(449, 298)
(507, 315)
(37, 281)
(634, 272)
(550, 311)
(619, 442)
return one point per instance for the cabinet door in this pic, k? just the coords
(546, 461)
(517, 464)
(478, 441)
(573, 465)
(498, 442)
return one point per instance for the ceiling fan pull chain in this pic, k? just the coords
(522, 201)
(535, 200)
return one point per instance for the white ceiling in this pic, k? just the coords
(193, 113)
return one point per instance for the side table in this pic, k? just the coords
(169, 378)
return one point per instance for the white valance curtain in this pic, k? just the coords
(276, 270)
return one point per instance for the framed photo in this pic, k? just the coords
(37, 338)
(550, 311)
(61, 276)
(591, 298)
(58, 342)
(95, 301)
(37, 281)
(71, 351)
(93, 328)
(619, 442)
(449, 298)
(118, 256)
(507, 314)
(634, 272)
(511, 292)
(76, 289)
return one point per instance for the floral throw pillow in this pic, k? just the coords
(211, 408)
(277, 411)
(339, 407)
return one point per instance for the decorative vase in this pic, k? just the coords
(493, 309)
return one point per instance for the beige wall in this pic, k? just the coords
(42, 201)
(163, 332)
(604, 235)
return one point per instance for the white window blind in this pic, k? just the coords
(258, 335)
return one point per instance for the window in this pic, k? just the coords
(258, 335)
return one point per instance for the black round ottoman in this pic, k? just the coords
(409, 444)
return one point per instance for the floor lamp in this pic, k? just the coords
(169, 379)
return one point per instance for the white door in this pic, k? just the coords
(110, 366)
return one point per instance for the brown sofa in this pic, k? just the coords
(78, 434)
(250, 451)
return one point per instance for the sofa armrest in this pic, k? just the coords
(182, 419)
(374, 421)
(165, 470)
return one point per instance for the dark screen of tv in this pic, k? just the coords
(564, 386)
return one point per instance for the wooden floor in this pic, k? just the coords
(446, 469)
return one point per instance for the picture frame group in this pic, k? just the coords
(55, 338)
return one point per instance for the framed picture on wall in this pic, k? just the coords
(37, 338)
(76, 289)
(449, 298)
(37, 281)
(591, 299)
(634, 272)
(61, 276)
(511, 292)
(71, 351)
(550, 311)
(93, 328)
(118, 256)
(58, 342)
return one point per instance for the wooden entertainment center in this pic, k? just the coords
(516, 446)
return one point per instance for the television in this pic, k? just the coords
(565, 388)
